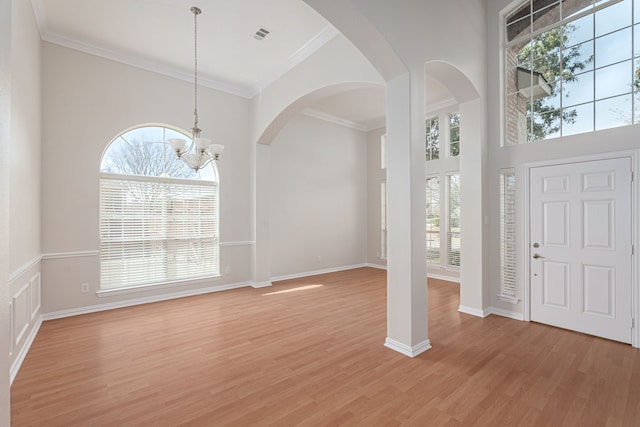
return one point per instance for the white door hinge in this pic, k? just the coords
(633, 323)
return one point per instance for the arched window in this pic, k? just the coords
(158, 217)
(570, 67)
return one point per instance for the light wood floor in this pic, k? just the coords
(310, 352)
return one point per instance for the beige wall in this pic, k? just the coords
(375, 177)
(87, 101)
(318, 197)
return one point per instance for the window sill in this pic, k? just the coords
(163, 285)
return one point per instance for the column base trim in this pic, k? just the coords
(405, 349)
(473, 311)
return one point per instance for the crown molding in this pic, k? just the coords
(334, 119)
(138, 62)
(376, 124)
(308, 49)
(248, 92)
(371, 125)
(40, 14)
(441, 105)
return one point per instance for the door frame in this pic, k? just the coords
(634, 155)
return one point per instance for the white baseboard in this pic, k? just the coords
(316, 272)
(138, 301)
(445, 278)
(474, 311)
(378, 266)
(505, 313)
(258, 285)
(17, 363)
(429, 275)
(405, 349)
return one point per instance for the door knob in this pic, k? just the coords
(536, 256)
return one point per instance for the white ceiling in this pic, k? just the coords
(158, 35)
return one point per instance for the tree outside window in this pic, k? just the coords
(571, 68)
(432, 138)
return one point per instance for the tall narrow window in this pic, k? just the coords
(383, 197)
(432, 138)
(508, 236)
(454, 135)
(453, 221)
(158, 218)
(433, 220)
(383, 220)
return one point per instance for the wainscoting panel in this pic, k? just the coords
(34, 294)
(21, 313)
(25, 290)
(12, 345)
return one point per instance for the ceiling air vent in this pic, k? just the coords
(261, 34)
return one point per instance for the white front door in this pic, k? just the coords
(580, 237)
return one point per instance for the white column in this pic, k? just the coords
(5, 116)
(473, 254)
(406, 262)
(261, 252)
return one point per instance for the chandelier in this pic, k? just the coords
(201, 151)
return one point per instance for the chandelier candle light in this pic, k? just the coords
(204, 152)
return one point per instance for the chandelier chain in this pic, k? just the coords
(195, 44)
(201, 152)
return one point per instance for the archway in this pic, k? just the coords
(452, 91)
(262, 255)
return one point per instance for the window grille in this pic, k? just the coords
(454, 135)
(432, 138)
(433, 220)
(570, 68)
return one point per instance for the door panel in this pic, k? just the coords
(555, 285)
(580, 217)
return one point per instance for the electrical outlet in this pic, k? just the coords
(227, 270)
(84, 288)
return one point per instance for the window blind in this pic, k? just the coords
(453, 223)
(155, 230)
(507, 234)
(433, 220)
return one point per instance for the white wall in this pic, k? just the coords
(6, 25)
(87, 101)
(24, 182)
(318, 197)
(25, 135)
(335, 67)
(618, 139)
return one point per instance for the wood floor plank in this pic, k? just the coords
(309, 352)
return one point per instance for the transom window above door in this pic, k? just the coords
(570, 68)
